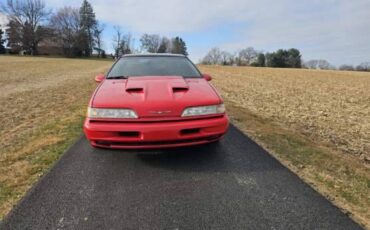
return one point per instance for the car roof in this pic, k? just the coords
(153, 55)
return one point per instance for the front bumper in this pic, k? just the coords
(149, 135)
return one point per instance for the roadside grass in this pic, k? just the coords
(43, 104)
(40, 152)
(343, 180)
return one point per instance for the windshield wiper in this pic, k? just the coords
(118, 77)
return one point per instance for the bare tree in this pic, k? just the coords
(324, 64)
(226, 58)
(27, 15)
(318, 64)
(247, 56)
(65, 24)
(311, 64)
(213, 57)
(122, 43)
(150, 42)
(347, 68)
(97, 34)
(117, 40)
(365, 66)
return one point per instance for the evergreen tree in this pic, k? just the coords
(294, 58)
(261, 60)
(2, 41)
(183, 48)
(284, 59)
(88, 25)
(179, 46)
(14, 34)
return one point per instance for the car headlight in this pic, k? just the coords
(204, 110)
(110, 113)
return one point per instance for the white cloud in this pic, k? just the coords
(332, 29)
(335, 30)
(170, 16)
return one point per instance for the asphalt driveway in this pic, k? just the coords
(235, 185)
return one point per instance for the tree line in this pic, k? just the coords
(73, 32)
(151, 43)
(250, 57)
(282, 58)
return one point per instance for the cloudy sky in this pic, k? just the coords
(336, 30)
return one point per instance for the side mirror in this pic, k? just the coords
(207, 77)
(99, 78)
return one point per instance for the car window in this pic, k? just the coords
(154, 66)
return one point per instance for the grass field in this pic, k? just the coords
(43, 102)
(315, 122)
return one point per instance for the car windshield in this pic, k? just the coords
(153, 66)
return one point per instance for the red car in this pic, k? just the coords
(154, 101)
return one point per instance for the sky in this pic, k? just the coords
(335, 30)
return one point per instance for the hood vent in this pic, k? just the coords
(134, 90)
(179, 89)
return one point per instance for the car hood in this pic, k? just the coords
(153, 96)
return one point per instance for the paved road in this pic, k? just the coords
(236, 185)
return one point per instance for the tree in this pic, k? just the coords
(261, 60)
(365, 66)
(179, 46)
(150, 42)
(247, 56)
(226, 58)
(117, 40)
(164, 47)
(311, 64)
(126, 44)
(324, 64)
(103, 54)
(2, 41)
(88, 24)
(25, 29)
(65, 24)
(122, 43)
(318, 64)
(346, 68)
(213, 57)
(284, 59)
(294, 58)
(98, 31)
(14, 33)
(276, 59)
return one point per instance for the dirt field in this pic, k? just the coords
(315, 122)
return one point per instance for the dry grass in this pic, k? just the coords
(43, 102)
(332, 107)
(315, 122)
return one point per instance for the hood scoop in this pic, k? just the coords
(179, 85)
(133, 86)
(141, 84)
(134, 90)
